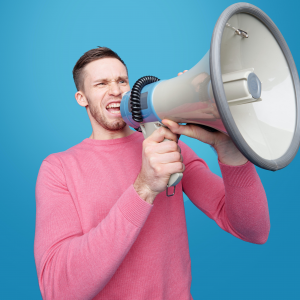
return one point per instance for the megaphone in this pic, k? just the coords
(246, 86)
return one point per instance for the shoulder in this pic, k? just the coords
(55, 161)
(52, 170)
(58, 157)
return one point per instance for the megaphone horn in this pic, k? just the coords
(246, 86)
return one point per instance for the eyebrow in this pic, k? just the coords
(106, 79)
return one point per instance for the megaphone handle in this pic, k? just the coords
(148, 129)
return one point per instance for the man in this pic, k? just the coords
(104, 226)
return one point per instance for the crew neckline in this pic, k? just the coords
(122, 140)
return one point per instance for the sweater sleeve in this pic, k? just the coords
(237, 203)
(70, 264)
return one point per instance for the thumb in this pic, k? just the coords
(176, 128)
(192, 131)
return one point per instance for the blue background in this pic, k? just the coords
(40, 43)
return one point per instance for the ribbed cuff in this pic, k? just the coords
(133, 207)
(239, 176)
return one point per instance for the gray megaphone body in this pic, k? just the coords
(246, 86)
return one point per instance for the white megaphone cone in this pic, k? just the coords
(246, 86)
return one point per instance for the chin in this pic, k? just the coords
(114, 126)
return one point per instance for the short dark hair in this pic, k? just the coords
(89, 56)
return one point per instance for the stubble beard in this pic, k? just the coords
(102, 120)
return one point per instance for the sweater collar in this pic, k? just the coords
(122, 140)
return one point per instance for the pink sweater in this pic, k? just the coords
(97, 239)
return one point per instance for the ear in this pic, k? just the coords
(81, 99)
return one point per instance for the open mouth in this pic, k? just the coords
(113, 108)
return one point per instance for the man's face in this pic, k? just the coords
(105, 81)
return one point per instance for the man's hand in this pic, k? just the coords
(159, 161)
(227, 152)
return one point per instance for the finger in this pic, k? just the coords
(176, 128)
(176, 167)
(166, 158)
(192, 131)
(166, 147)
(162, 133)
(185, 71)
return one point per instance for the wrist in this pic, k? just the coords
(144, 191)
(233, 160)
(228, 154)
(233, 163)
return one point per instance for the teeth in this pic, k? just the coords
(111, 105)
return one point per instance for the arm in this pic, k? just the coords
(239, 206)
(237, 203)
(72, 264)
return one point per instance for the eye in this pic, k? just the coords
(101, 83)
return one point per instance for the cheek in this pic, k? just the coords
(96, 97)
(125, 88)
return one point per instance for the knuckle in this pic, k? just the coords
(157, 169)
(152, 160)
(175, 137)
(162, 130)
(147, 149)
(179, 166)
(177, 156)
(174, 146)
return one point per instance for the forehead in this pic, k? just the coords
(106, 68)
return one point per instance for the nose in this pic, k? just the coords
(114, 89)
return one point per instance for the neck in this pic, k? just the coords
(104, 134)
